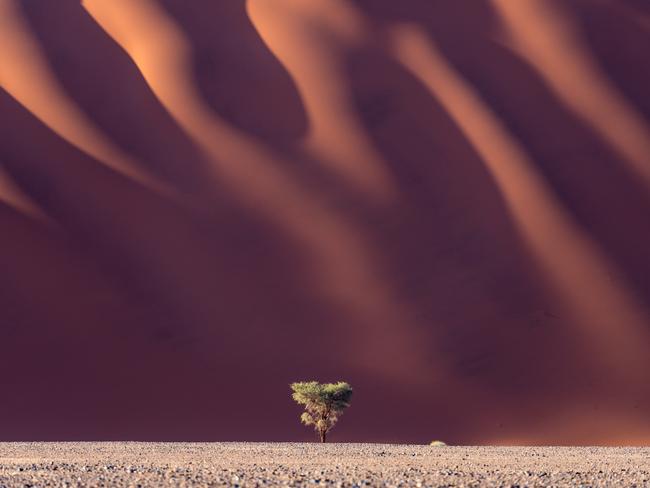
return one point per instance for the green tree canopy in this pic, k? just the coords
(324, 403)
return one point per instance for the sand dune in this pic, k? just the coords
(445, 203)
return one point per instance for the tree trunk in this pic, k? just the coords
(323, 436)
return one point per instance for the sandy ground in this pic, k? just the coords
(268, 464)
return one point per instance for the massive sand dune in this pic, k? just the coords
(445, 203)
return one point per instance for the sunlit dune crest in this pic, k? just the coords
(552, 45)
(27, 77)
(13, 196)
(445, 203)
(340, 263)
(595, 296)
(310, 39)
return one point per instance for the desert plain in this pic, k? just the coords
(137, 464)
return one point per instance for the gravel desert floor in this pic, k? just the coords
(136, 464)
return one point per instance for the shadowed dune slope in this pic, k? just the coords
(446, 204)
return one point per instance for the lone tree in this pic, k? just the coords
(324, 403)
